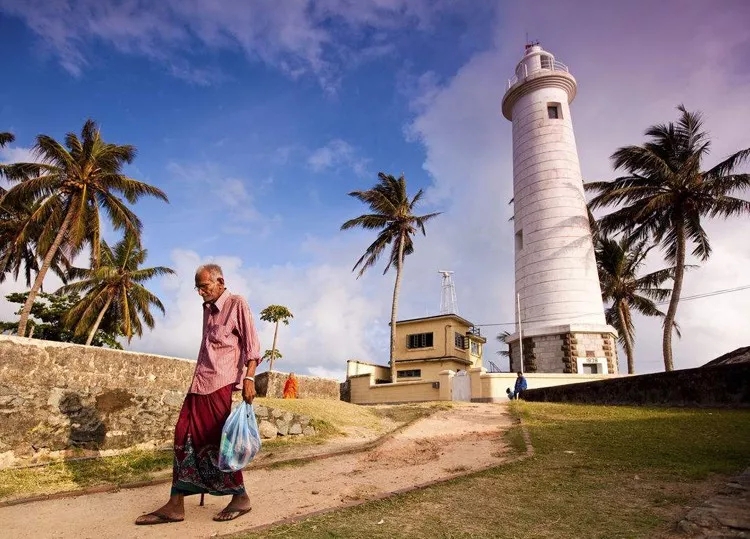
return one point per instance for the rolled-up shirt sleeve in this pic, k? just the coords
(248, 337)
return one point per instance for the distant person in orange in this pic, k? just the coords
(290, 387)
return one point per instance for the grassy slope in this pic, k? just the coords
(597, 472)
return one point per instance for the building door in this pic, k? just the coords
(462, 386)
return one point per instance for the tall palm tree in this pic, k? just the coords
(71, 184)
(664, 195)
(392, 214)
(275, 314)
(114, 287)
(618, 263)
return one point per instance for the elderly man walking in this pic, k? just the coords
(228, 357)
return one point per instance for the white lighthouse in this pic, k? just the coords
(560, 309)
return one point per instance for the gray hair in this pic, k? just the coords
(213, 270)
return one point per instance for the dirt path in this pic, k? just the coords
(451, 442)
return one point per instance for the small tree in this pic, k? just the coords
(275, 353)
(47, 320)
(275, 314)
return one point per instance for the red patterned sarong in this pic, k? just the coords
(196, 446)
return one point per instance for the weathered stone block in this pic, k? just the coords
(295, 428)
(282, 427)
(267, 430)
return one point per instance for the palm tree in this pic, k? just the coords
(618, 263)
(71, 183)
(275, 314)
(392, 214)
(18, 230)
(6, 138)
(114, 287)
(664, 195)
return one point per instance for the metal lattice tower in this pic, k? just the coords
(448, 302)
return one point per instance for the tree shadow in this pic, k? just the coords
(87, 433)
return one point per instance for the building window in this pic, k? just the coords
(519, 240)
(458, 339)
(546, 62)
(476, 349)
(419, 340)
(590, 368)
(554, 111)
(413, 373)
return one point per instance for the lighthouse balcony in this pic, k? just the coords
(546, 64)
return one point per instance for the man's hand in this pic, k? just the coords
(248, 391)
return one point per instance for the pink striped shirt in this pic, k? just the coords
(229, 342)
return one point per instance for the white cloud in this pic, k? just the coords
(333, 313)
(294, 36)
(335, 155)
(230, 195)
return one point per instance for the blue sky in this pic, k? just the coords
(258, 117)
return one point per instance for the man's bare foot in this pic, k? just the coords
(238, 506)
(172, 511)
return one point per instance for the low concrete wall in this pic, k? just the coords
(364, 390)
(721, 386)
(271, 384)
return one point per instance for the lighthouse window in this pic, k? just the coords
(553, 111)
(519, 240)
(546, 62)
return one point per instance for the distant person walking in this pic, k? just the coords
(291, 387)
(227, 359)
(518, 388)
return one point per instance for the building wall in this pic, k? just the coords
(365, 391)
(443, 330)
(355, 368)
(719, 386)
(561, 352)
(492, 387)
(430, 369)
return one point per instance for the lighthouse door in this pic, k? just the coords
(462, 386)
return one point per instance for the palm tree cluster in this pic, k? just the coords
(662, 200)
(53, 210)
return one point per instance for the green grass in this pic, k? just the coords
(613, 472)
(330, 419)
(78, 474)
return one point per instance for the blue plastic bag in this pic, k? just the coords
(240, 439)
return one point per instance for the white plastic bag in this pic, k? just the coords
(240, 439)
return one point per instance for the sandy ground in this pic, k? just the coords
(451, 442)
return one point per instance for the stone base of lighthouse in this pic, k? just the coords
(568, 349)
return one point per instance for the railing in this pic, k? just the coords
(546, 66)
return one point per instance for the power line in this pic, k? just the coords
(685, 298)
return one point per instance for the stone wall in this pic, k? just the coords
(559, 352)
(271, 384)
(55, 397)
(720, 386)
(273, 422)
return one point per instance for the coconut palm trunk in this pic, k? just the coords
(98, 321)
(273, 347)
(46, 263)
(394, 307)
(679, 273)
(626, 338)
